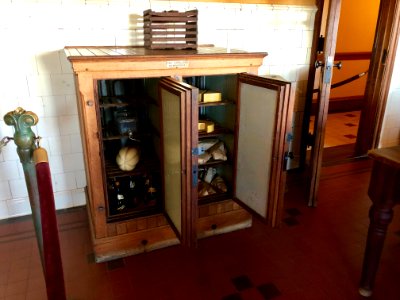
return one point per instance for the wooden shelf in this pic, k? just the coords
(145, 165)
(134, 212)
(218, 196)
(218, 130)
(113, 101)
(122, 101)
(214, 198)
(212, 162)
(218, 103)
(109, 135)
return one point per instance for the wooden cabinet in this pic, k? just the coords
(191, 181)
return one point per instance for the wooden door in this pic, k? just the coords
(178, 127)
(263, 122)
(323, 101)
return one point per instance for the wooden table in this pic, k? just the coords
(384, 191)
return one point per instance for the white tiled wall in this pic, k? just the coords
(36, 75)
(390, 134)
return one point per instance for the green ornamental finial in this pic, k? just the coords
(24, 137)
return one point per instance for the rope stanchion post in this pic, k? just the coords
(38, 181)
(24, 138)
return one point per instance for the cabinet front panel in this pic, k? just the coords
(257, 109)
(171, 113)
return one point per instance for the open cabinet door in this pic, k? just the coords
(178, 126)
(263, 125)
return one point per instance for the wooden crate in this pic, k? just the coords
(170, 29)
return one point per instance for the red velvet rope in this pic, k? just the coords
(51, 245)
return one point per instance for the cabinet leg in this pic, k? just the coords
(380, 219)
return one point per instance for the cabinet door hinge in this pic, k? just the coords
(289, 137)
(288, 156)
(195, 176)
(197, 151)
(195, 170)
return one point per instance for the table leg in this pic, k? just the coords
(380, 218)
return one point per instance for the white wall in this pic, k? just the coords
(36, 75)
(390, 134)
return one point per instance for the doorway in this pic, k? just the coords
(354, 45)
(376, 90)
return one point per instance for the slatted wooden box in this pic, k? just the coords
(170, 29)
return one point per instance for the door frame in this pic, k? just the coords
(323, 99)
(379, 76)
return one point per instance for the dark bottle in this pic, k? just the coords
(132, 192)
(120, 197)
(151, 192)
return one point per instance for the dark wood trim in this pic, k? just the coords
(353, 55)
(380, 72)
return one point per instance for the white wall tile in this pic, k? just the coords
(80, 177)
(71, 107)
(48, 62)
(69, 125)
(59, 145)
(73, 162)
(48, 127)
(5, 192)
(18, 188)
(17, 87)
(306, 40)
(10, 152)
(66, 67)
(19, 207)
(63, 200)
(76, 143)
(54, 105)
(4, 214)
(9, 170)
(40, 84)
(33, 104)
(56, 164)
(20, 170)
(63, 181)
(79, 197)
(83, 37)
(62, 84)
(18, 62)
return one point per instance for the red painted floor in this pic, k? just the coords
(316, 254)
